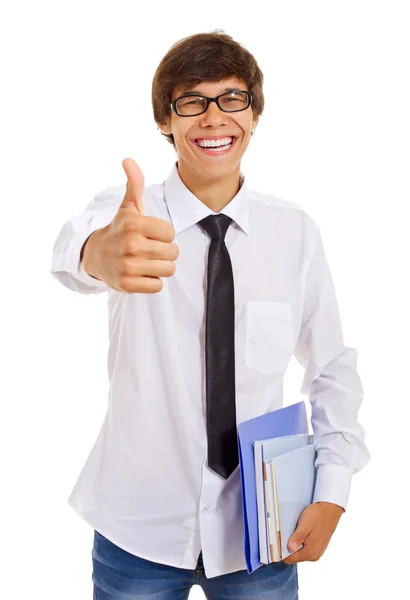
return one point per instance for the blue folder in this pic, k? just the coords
(290, 420)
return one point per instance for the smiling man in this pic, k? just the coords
(212, 287)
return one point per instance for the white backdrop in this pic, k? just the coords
(334, 138)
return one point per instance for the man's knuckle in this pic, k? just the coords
(129, 246)
(123, 282)
(128, 225)
(126, 266)
(133, 244)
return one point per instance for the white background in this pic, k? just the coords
(334, 138)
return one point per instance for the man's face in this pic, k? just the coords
(213, 124)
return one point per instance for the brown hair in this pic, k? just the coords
(204, 57)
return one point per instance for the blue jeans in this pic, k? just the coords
(119, 575)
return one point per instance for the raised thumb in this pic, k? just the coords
(135, 186)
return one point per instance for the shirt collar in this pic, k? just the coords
(185, 209)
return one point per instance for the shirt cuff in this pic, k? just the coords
(69, 261)
(333, 484)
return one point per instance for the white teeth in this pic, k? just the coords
(215, 143)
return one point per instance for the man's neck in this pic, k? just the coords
(214, 193)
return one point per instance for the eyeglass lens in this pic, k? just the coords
(229, 102)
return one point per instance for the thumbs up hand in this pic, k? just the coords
(134, 251)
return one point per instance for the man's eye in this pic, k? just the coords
(190, 100)
(231, 99)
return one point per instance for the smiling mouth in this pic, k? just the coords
(215, 147)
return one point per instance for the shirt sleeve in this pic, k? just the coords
(332, 383)
(65, 263)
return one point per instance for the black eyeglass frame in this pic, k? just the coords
(209, 100)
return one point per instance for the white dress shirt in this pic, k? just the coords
(146, 485)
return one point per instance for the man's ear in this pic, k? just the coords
(255, 122)
(166, 126)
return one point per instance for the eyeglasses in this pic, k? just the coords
(191, 105)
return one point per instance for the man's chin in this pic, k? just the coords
(207, 169)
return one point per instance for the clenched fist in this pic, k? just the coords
(134, 251)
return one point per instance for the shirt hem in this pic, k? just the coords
(96, 524)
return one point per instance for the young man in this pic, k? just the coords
(211, 289)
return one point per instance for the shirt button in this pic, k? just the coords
(206, 507)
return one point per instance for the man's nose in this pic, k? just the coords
(213, 116)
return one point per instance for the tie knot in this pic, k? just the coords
(216, 226)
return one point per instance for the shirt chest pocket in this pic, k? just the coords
(269, 336)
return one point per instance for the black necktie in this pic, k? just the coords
(220, 351)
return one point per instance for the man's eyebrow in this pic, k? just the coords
(189, 90)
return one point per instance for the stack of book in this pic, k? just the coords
(285, 480)
(278, 475)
